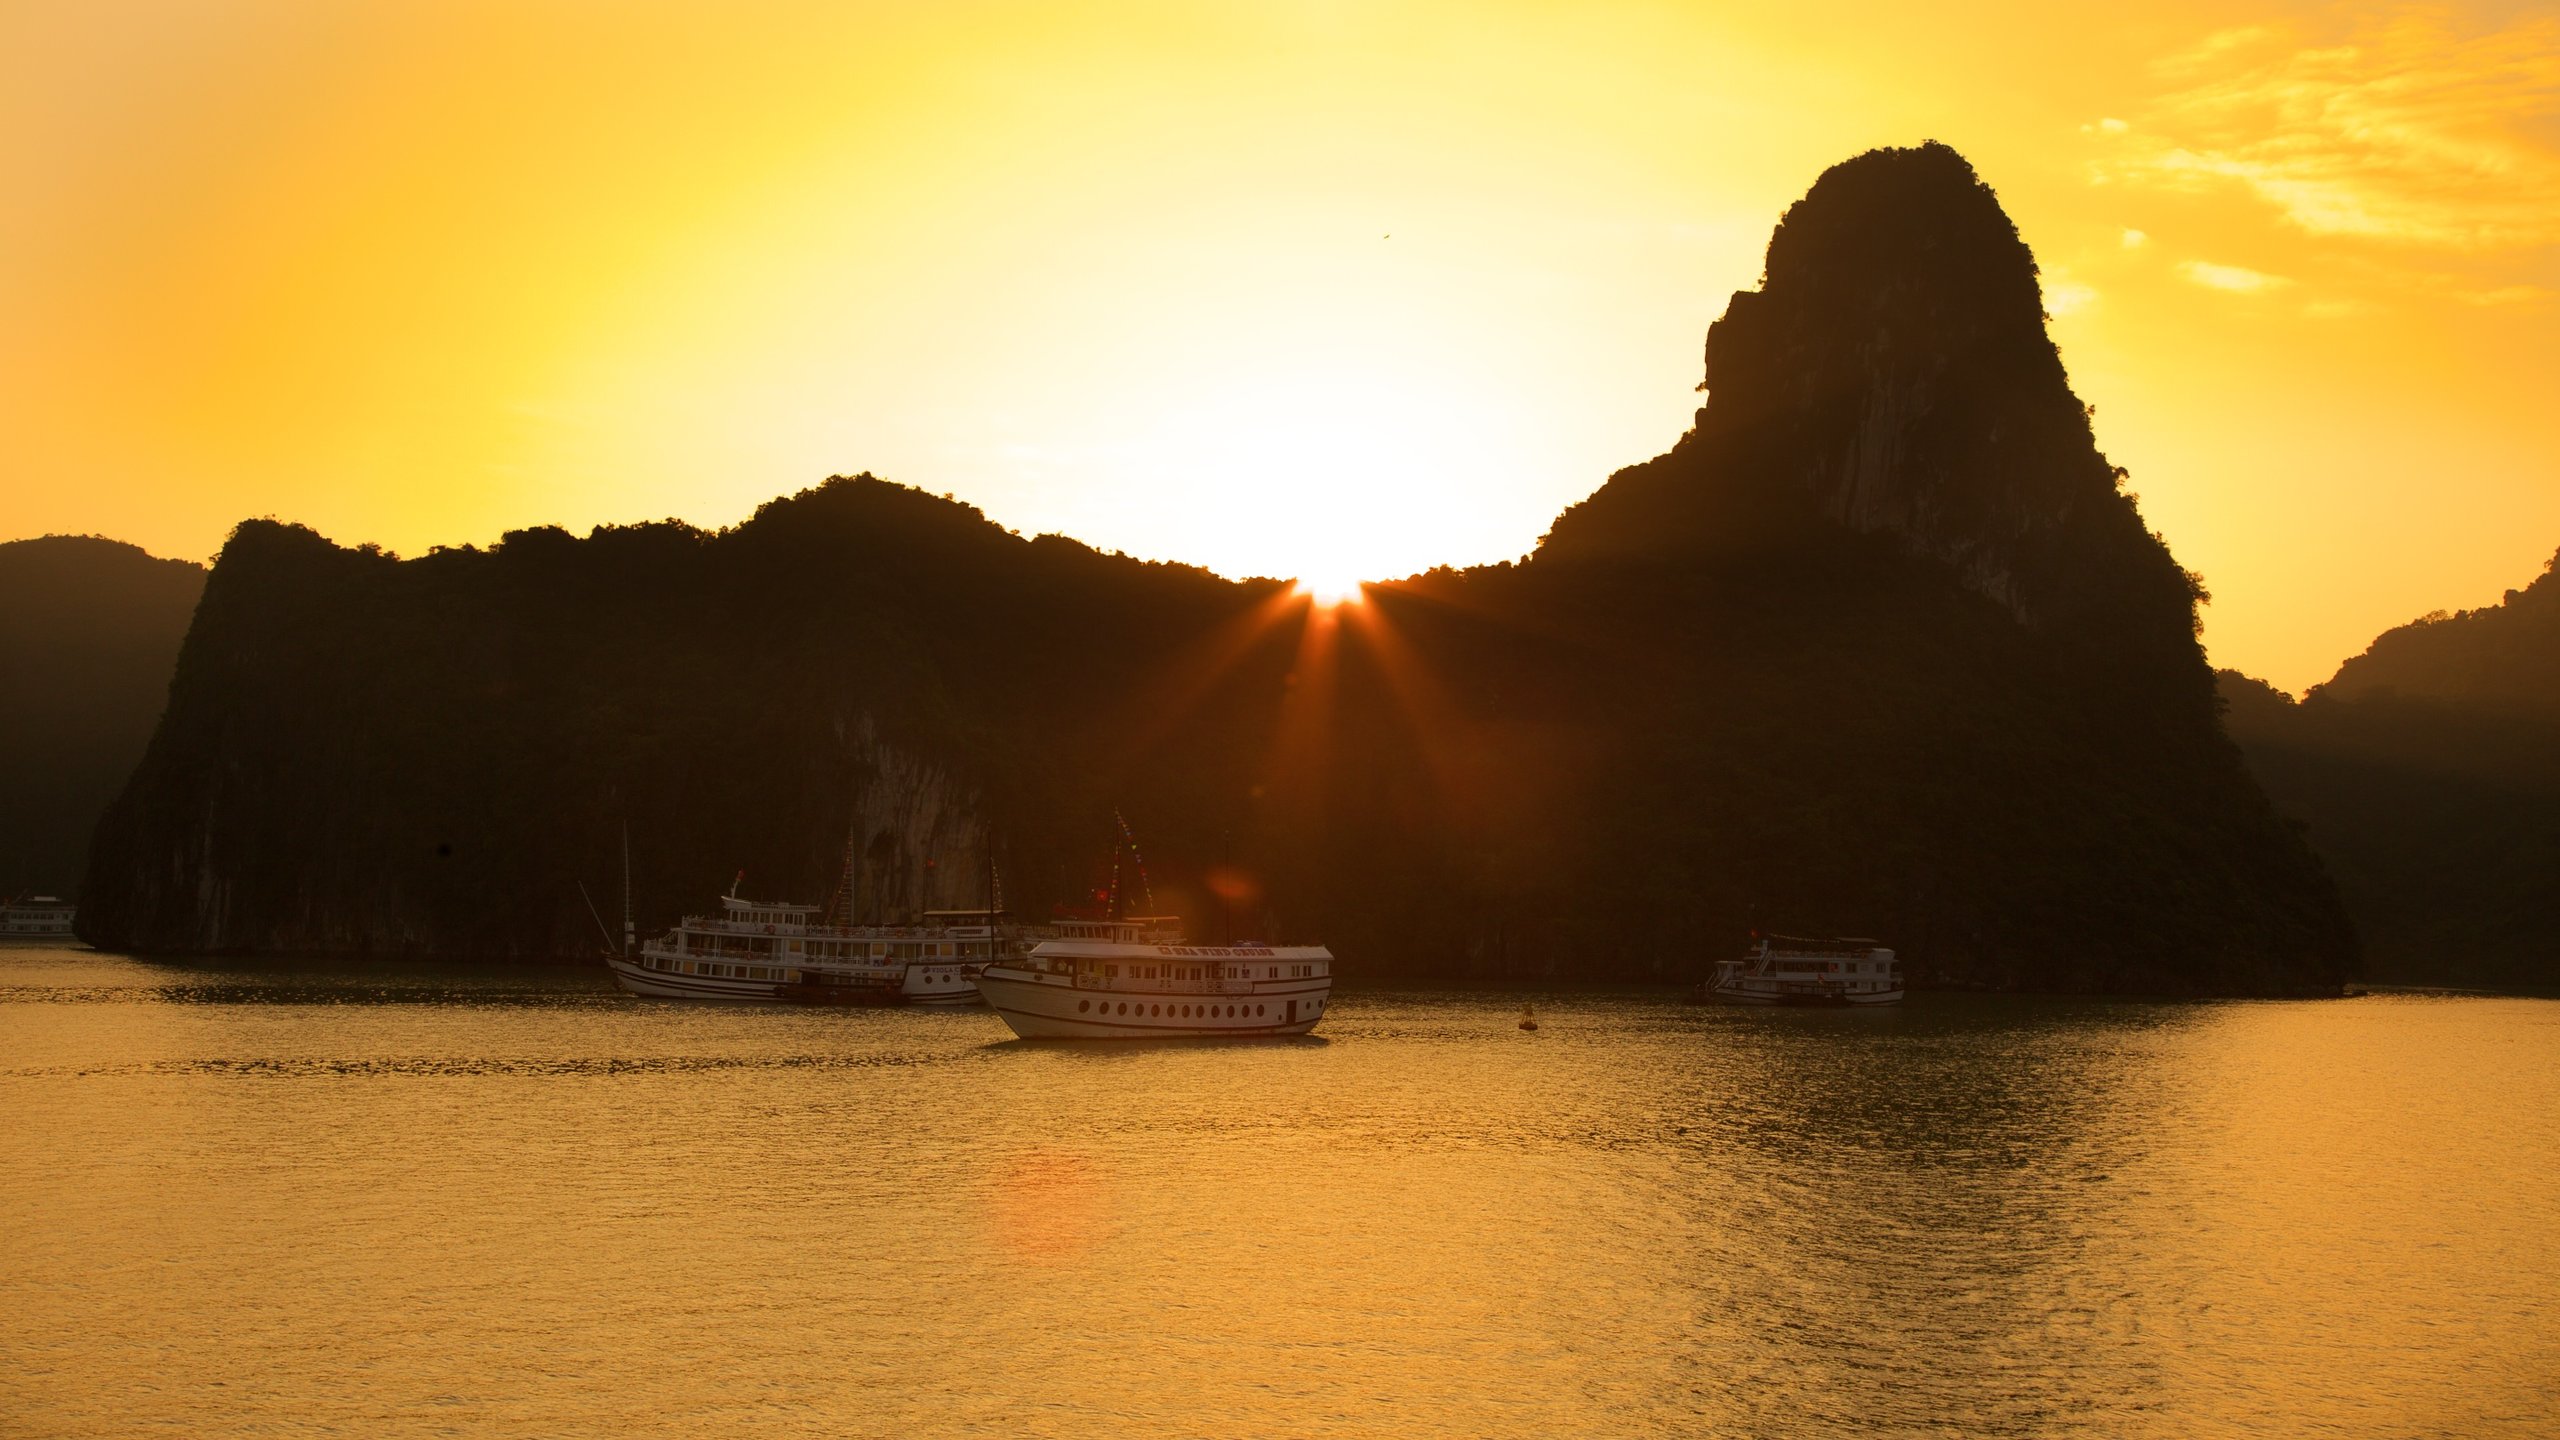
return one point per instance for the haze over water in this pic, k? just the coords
(439, 1201)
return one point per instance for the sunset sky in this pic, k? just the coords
(1282, 289)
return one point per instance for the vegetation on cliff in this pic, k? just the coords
(1879, 647)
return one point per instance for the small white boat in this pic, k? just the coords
(1786, 970)
(1134, 979)
(961, 942)
(37, 919)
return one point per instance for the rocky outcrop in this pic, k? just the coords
(1893, 375)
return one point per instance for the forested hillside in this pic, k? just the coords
(2428, 774)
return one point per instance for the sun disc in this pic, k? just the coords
(1329, 591)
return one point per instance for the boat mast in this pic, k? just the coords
(987, 847)
(629, 931)
(843, 900)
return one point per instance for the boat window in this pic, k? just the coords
(1083, 1005)
(1111, 972)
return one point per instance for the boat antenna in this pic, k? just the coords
(1127, 839)
(735, 883)
(598, 917)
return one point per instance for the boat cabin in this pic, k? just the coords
(37, 915)
(1127, 930)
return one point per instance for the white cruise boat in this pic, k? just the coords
(1134, 979)
(767, 950)
(1785, 970)
(37, 919)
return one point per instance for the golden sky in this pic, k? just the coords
(1282, 289)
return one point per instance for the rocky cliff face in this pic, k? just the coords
(1877, 648)
(1893, 375)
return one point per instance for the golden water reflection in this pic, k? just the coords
(457, 1202)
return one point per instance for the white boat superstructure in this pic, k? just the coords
(770, 950)
(1133, 979)
(39, 918)
(1786, 970)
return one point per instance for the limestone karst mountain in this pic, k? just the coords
(1879, 647)
(89, 631)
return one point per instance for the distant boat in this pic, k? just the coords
(772, 950)
(1528, 1017)
(37, 919)
(1788, 970)
(1134, 979)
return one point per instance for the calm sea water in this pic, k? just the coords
(380, 1202)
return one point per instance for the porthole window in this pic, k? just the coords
(1124, 1009)
(1257, 1009)
(1083, 1005)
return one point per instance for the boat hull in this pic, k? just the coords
(942, 984)
(1041, 1009)
(636, 978)
(1809, 999)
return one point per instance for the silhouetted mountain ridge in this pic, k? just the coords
(1878, 647)
(2503, 657)
(2428, 773)
(89, 629)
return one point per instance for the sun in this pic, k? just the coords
(1329, 589)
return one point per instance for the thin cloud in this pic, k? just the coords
(2406, 133)
(2067, 297)
(2504, 295)
(2239, 280)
